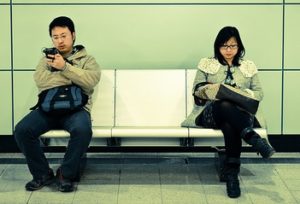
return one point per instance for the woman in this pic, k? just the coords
(228, 67)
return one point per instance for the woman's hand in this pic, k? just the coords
(212, 86)
(250, 92)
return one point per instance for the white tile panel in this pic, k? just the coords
(292, 33)
(5, 48)
(291, 107)
(6, 103)
(271, 104)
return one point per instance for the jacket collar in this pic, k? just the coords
(212, 66)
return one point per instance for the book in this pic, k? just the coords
(226, 92)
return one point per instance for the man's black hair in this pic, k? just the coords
(62, 21)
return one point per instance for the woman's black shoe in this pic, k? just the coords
(262, 146)
(233, 186)
(229, 174)
(259, 144)
(36, 184)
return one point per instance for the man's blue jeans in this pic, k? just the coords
(29, 129)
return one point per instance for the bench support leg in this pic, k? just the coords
(183, 142)
(191, 142)
(186, 142)
(114, 142)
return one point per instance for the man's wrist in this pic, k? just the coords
(65, 67)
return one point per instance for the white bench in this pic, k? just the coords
(145, 108)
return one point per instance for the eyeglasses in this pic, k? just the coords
(232, 47)
(62, 37)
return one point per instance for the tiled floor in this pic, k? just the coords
(173, 178)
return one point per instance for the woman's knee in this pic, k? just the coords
(225, 105)
(223, 109)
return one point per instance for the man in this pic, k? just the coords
(70, 65)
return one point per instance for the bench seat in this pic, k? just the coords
(98, 132)
(207, 132)
(127, 131)
(173, 132)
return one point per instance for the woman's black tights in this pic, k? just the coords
(232, 121)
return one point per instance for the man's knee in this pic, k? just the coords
(81, 132)
(19, 132)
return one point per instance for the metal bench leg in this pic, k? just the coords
(191, 142)
(183, 142)
(114, 142)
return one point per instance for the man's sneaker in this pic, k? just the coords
(38, 183)
(262, 146)
(64, 184)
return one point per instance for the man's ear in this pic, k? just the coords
(73, 36)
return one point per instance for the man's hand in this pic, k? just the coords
(57, 62)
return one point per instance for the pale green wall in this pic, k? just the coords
(5, 103)
(5, 37)
(5, 71)
(151, 36)
(157, 34)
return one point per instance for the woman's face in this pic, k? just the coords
(229, 49)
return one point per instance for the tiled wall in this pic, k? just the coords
(156, 34)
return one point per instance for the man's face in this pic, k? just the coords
(63, 39)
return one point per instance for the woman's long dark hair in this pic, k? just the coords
(223, 36)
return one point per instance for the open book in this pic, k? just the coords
(225, 92)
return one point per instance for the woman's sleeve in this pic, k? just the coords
(200, 80)
(256, 87)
